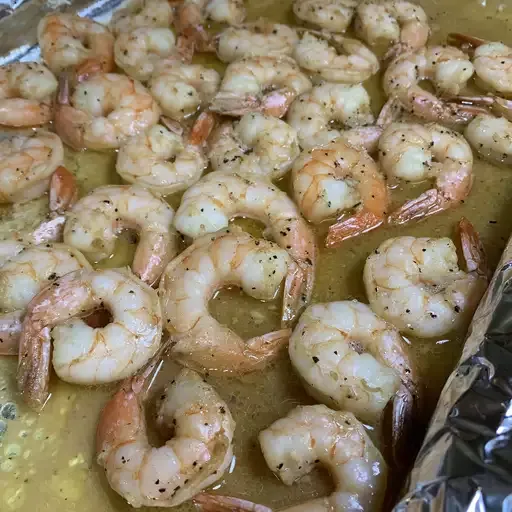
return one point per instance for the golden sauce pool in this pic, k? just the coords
(47, 461)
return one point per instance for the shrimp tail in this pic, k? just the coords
(63, 190)
(473, 249)
(361, 222)
(205, 502)
(430, 202)
(465, 42)
(402, 426)
(203, 127)
(10, 330)
(298, 288)
(499, 106)
(231, 104)
(88, 68)
(261, 349)
(276, 103)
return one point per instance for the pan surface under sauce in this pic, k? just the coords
(47, 461)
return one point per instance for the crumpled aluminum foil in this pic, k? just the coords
(465, 462)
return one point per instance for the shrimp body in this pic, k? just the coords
(336, 177)
(491, 137)
(261, 37)
(26, 90)
(82, 354)
(142, 13)
(336, 58)
(27, 163)
(228, 258)
(350, 359)
(210, 204)
(260, 84)
(161, 161)
(104, 112)
(182, 89)
(316, 114)
(447, 67)
(68, 41)
(399, 24)
(24, 271)
(416, 284)
(305, 438)
(258, 144)
(96, 219)
(332, 15)
(415, 152)
(137, 52)
(196, 455)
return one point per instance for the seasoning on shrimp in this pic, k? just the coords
(142, 13)
(227, 258)
(331, 15)
(210, 204)
(53, 331)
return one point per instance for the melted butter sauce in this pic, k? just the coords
(47, 461)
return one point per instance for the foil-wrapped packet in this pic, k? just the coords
(465, 462)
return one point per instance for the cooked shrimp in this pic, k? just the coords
(352, 360)
(26, 90)
(261, 37)
(68, 41)
(162, 161)
(317, 113)
(142, 13)
(416, 152)
(210, 204)
(228, 258)
(492, 62)
(310, 436)
(82, 354)
(138, 52)
(448, 68)
(198, 453)
(27, 163)
(400, 25)
(103, 111)
(260, 84)
(183, 89)
(328, 180)
(257, 144)
(336, 58)
(96, 219)
(332, 15)
(416, 284)
(24, 271)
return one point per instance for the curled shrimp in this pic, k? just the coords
(138, 52)
(400, 25)
(352, 360)
(336, 177)
(142, 13)
(258, 144)
(103, 112)
(24, 271)
(305, 438)
(260, 84)
(183, 89)
(27, 163)
(416, 284)
(492, 61)
(331, 15)
(96, 219)
(415, 152)
(318, 114)
(335, 58)
(162, 160)
(448, 68)
(228, 258)
(261, 37)
(196, 455)
(82, 354)
(210, 204)
(26, 90)
(71, 42)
